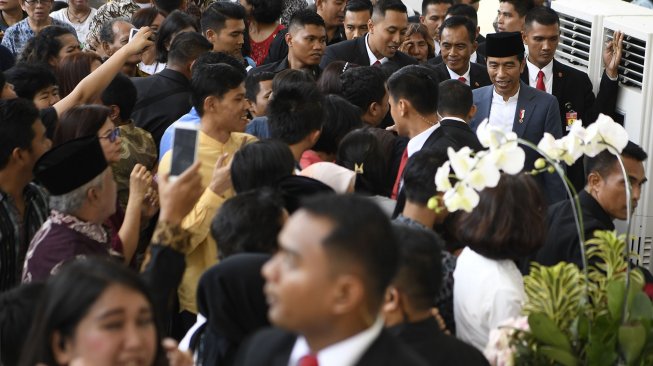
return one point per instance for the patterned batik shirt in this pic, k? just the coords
(17, 35)
(108, 11)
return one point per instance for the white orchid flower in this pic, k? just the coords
(462, 161)
(610, 133)
(553, 148)
(509, 158)
(442, 182)
(573, 149)
(485, 173)
(460, 197)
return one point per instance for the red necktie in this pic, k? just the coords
(462, 80)
(540, 81)
(308, 360)
(377, 63)
(402, 165)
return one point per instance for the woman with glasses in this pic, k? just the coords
(38, 17)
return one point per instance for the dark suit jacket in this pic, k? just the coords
(427, 340)
(160, 112)
(279, 66)
(478, 75)
(355, 51)
(540, 116)
(272, 347)
(279, 48)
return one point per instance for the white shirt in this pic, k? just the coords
(486, 292)
(502, 114)
(437, 49)
(548, 75)
(344, 353)
(82, 29)
(473, 57)
(415, 144)
(370, 54)
(455, 76)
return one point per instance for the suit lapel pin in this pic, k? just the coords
(476, 84)
(559, 74)
(522, 112)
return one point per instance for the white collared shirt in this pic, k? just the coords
(344, 353)
(473, 57)
(417, 142)
(370, 54)
(502, 114)
(437, 49)
(455, 76)
(548, 75)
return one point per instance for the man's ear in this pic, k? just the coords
(61, 349)
(594, 180)
(288, 39)
(391, 300)
(210, 35)
(114, 115)
(209, 103)
(349, 294)
(314, 136)
(106, 48)
(472, 112)
(522, 64)
(370, 26)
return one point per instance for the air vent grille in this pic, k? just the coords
(631, 68)
(575, 40)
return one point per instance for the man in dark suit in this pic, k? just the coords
(470, 13)
(457, 44)
(511, 105)
(306, 40)
(571, 87)
(325, 287)
(164, 97)
(381, 44)
(433, 14)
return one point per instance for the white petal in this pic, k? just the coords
(461, 161)
(442, 182)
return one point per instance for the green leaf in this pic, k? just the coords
(561, 356)
(641, 307)
(616, 293)
(631, 341)
(546, 331)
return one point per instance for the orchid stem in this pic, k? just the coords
(629, 208)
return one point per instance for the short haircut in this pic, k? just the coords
(252, 83)
(120, 92)
(363, 86)
(419, 185)
(606, 162)
(187, 47)
(362, 148)
(304, 17)
(361, 238)
(216, 15)
(295, 111)
(341, 117)
(261, 164)
(17, 116)
(248, 223)
(45, 45)
(382, 6)
(214, 58)
(426, 3)
(418, 85)
(106, 30)
(419, 276)
(29, 79)
(454, 98)
(460, 21)
(290, 77)
(266, 11)
(521, 6)
(213, 80)
(168, 6)
(174, 23)
(464, 10)
(509, 221)
(542, 15)
(17, 309)
(359, 5)
(329, 81)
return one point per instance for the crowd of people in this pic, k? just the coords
(303, 233)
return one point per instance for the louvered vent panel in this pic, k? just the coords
(631, 68)
(575, 40)
(643, 246)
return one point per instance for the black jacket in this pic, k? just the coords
(281, 65)
(279, 48)
(478, 75)
(355, 51)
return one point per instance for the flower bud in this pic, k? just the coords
(540, 163)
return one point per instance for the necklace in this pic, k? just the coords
(77, 19)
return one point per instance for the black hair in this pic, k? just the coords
(361, 148)
(17, 309)
(454, 98)
(145, 17)
(213, 80)
(419, 276)
(214, 58)
(216, 15)
(168, 6)
(460, 21)
(419, 173)
(363, 86)
(542, 15)
(252, 83)
(187, 47)
(382, 6)
(359, 5)
(44, 46)
(106, 33)
(290, 77)
(304, 17)
(248, 223)
(261, 164)
(175, 22)
(361, 238)
(120, 92)
(18, 116)
(605, 161)
(464, 10)
(29, 79)
(418, 85)
(426, 3)
(295, 111)
(58, 5)
(521, 6)
(266, 11)
(341, 117)
(329, 81)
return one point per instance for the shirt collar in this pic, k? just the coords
(455, 119)
(512, 99)
(370, 54)
(455, 76)
(344, 353)
(534, 70)
(416, 143)
(91, 230)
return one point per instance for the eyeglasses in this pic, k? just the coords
(112, 135)
(34, 2)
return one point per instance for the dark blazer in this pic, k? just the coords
(355, 51)
(272, 347)
(279, 48)
(279, 66)
(162, 99)
(478, 75)
(540, 116)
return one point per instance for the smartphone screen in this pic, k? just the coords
(132, 33)
(183, 150)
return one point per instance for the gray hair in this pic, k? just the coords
(106, 30)
(72, 201)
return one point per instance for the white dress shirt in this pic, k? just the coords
(486, 292)
(344, 353)
(415, 144)
(437, 49)
(370, 54)
(455, 76)
(502, 113)
(473, 57)
(548, 75)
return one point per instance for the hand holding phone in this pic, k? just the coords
(184, 148)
